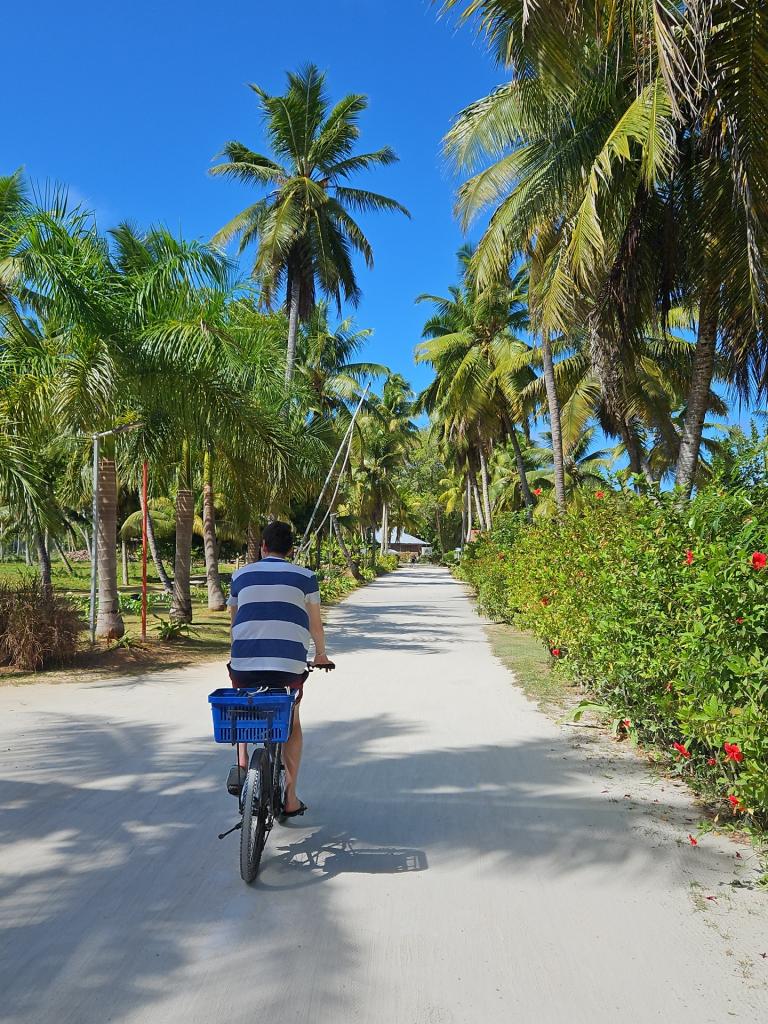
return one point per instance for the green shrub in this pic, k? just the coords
(659, 610)
(37, 629)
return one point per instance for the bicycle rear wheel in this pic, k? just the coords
(256, 795)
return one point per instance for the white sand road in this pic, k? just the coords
(464, 860)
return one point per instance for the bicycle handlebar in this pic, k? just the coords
(326, 668)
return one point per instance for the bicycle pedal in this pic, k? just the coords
(236, 780)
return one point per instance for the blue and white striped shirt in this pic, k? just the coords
(271, 627)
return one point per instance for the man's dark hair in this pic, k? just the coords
(278, 537)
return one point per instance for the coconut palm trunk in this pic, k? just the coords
(468, 506)
(162, 575)
(525, 489)
(43, 560)
(484, 487)
(124, 552)
(698, 398)
(553, 404)
(181, 606)
(352, 565)
(216, 602)
(293, 327)
(252, 541)
(384, 545)
(109, 623)
(478, 504)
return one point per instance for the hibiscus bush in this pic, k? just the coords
(660, 611)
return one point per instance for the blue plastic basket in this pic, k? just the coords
(258, 716)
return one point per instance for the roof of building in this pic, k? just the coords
(405, 538)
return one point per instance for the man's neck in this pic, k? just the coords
(270, 554)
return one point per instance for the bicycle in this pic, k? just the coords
(258, 717)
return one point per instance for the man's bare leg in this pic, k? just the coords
(292, 759)
(242, 755)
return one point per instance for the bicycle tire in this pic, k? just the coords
(253, 834)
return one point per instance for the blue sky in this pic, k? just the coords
(128, 104)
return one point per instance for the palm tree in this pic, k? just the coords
(304, 227)
(612, 157)
(474, 346)
(328, 376)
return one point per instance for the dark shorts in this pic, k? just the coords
(276, 682)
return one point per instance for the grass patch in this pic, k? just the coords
(531, 664)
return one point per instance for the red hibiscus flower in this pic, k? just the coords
(626, 723)
(555, 652)
(537, 491)
(735, 803)
(692, 841)
(740, 619)
(759, 560)
(733, 752)
(599, 494)
(682, 751)
(689, 557)
(711, 761)
(545, 601)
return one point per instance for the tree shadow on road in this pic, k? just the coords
(117, 894)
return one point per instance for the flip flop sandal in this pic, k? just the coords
(284, 815)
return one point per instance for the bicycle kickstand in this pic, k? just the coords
(231, 830)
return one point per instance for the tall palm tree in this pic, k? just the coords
(304, 227)
(616, 152)
(474, 346)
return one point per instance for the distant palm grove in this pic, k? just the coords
(610, 309)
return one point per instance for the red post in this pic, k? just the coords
(144, 551)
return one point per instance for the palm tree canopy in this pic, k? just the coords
(304, 226)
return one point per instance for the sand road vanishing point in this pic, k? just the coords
(465, 860)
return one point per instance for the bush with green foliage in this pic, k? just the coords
(38, 628)
(659, 609)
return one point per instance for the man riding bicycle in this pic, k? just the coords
(275, 610)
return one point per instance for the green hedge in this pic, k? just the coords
(660, 611)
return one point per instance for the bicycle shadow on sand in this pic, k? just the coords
(326, 854)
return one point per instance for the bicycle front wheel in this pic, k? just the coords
(253, 834)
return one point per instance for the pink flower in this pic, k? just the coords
(555, 652)
(692, 841)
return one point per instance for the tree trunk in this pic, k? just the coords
(252, 541)
(43, 560)
(181, 606)
(468, 499)
(293, 327)
(698, 398)
(216, 602)
(554, 420)
(162, 575)
(124, 553)
(476, 496)
(318, 551)
(384, 545)
(109, 623)
(484, 485)
(525, 489)
(352, 566)
(63, 556)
